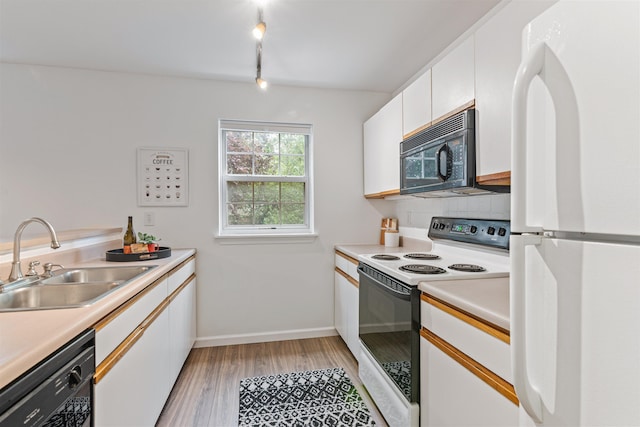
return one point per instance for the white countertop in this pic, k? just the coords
(487, 299)
(27, 337)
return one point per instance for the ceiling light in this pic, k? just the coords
(259, 30)
(262, 84)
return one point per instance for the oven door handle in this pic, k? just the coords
(396, 293)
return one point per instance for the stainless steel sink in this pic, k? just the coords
(68, 288)
(59, 296)
(96, 274)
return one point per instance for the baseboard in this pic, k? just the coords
(264, 337)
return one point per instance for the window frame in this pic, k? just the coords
(286, 230)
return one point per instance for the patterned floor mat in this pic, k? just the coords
(325, 397)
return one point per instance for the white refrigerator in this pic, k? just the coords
(575, 217)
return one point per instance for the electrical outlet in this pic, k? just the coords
(149, 219)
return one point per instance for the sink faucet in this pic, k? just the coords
(16, 271)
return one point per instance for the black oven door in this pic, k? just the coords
(389, 327)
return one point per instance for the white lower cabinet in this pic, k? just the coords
(182, 327)
(141, 348)
(461, 371)
(346, 302)
(453, 396)
(346, 312)
(133, 392)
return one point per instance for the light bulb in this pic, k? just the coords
(262, 84)
(259, 30)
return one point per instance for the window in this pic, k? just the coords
(265, 178)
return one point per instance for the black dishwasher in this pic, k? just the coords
(56, 392)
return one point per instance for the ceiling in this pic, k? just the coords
(374, 45)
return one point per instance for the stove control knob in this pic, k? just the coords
(502, 231)
(473, 229)
(491, 231)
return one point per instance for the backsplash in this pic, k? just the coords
(417, 212)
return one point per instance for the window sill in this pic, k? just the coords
(265, 239)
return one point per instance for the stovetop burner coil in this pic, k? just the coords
(469, 268)
(423, 269)
(385, 257)
(422, 256)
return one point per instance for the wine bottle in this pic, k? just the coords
(129, 237)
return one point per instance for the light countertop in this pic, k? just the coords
(27, 337)
(408, 245)
(487, 299)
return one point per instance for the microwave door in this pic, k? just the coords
(420, 168)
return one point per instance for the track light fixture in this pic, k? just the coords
(258, 32)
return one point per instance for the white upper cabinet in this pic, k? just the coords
(382, 137)
(416, 105)
(497, 57)
(453, 80)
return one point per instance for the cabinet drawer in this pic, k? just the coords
(347, 265)
(493, 353)
(177, 278)
(342, 263)
(112, 332)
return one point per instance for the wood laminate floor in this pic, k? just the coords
(207, 390)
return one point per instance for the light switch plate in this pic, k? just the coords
(149, 218)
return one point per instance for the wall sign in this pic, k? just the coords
(163, 175)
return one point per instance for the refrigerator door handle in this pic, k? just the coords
(541, 61)
(530, 67)
(529, 397)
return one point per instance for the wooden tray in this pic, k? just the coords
(117, 255)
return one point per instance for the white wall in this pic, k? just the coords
(68, 142)
(417, 212)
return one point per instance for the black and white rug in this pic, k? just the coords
(325, 397)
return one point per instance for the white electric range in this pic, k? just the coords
(389, 309)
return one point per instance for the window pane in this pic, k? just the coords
(267, 164)
(293, 213)
(239, 191)
(239, 164)
(240, 213)
(266, 143)
(293, 192)
(267, 192)
(267, 214)
(291, 143)
(239, 142)
(292, 165)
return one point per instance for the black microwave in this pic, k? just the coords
(440, 160)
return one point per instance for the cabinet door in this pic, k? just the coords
(133, 392)
(453, 80)
(497, 57)
(382, 136)
(340, 306)
(115, 331)
(450, 395)
(351, 297)
(181, 327)
(416, 105)
(346, 312)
